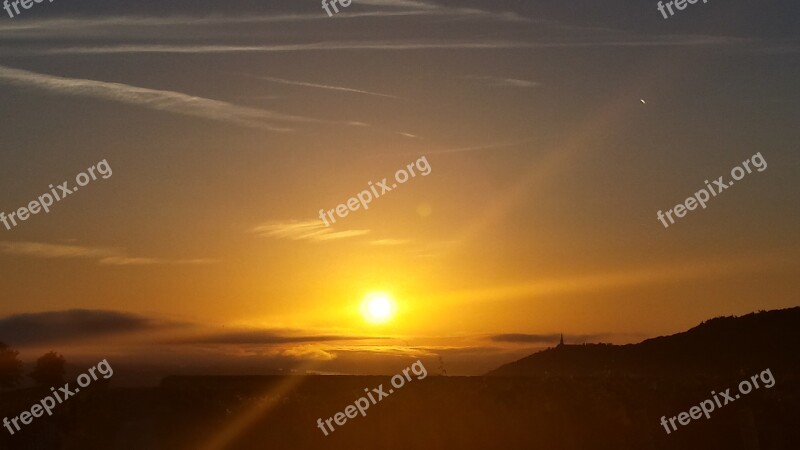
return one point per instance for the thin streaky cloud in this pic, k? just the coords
(390, 242)
(321, 86)
(387, 46)
(116, 26)
(266, 337)
(320, 46)
(104, 256)
(311, 230)
(401, 4)
(435, 9)
(504, 82)
(113, 23)
(168, 101)
(110, 26)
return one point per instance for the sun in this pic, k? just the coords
(378, 307)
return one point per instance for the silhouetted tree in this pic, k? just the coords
(49, 369)
(10, 366)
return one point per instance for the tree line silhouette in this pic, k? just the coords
(49, 368)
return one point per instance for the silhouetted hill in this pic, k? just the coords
(724, 345)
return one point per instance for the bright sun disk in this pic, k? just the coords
(378, 307)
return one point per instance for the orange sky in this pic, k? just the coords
(538, 216)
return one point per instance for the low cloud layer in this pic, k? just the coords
(62, 327)
(70, 325)
(267, 337)
(526, 338)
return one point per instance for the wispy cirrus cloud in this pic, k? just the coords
(437, 9)
(390, 242)
(401, 4)
(111, 26)
(105, 256)
(321, 86)
(504, 82)
(278, 48)
(168, 101)
(311, 230)
(493, 44)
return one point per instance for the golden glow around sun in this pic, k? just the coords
(378, 307)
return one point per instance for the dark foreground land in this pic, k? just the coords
(597, 413)
(571, 397)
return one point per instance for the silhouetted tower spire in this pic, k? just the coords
(561, 342)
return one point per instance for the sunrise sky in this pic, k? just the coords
(229, 126)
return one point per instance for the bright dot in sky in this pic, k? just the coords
(378, 307)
